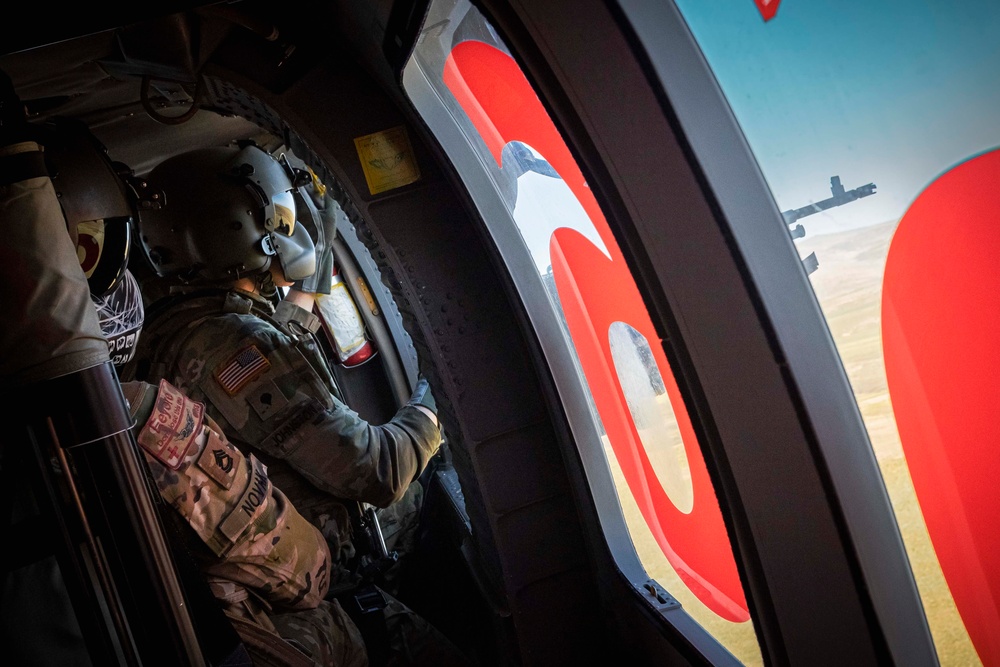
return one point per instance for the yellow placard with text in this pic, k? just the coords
(387, 159)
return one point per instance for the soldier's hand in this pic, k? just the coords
(423, 399)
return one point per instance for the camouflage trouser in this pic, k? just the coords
(399, 523)
(407, 639)
(325, 634)
(399, 520)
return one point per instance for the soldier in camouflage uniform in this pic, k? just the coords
(267, 565)
(262, 559)
(229, 223)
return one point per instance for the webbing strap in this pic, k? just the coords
(366, 607)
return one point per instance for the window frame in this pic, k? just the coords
(800, 426)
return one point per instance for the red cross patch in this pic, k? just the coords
(173, 426)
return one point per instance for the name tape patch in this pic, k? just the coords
(251, 504)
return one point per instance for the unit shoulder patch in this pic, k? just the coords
(172, 427)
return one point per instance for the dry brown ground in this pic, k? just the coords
(848, 286)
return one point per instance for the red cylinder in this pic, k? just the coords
(344, 325)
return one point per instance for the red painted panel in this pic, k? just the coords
(941, 340)
(767, 8)
(596, 292)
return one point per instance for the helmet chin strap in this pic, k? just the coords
(264, 284)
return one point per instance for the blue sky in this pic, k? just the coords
(893, 92)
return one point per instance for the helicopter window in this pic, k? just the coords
(878, 137)
(625, 409)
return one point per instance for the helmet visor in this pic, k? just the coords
(102, 247)
(284, 212)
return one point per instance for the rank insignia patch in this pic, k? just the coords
(173, 426)
(219, 460)
(267, 400)
(241, 369)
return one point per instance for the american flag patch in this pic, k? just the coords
(243, 368)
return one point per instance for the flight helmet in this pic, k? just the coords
(214, 215)
(121, 314)
(94, 198)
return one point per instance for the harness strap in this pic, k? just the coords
(366, 607)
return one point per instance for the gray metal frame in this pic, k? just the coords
(814, 368)
(822, 561)
(465, 152)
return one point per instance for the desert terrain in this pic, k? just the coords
(848, 286)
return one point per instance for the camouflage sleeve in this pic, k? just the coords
(258, 538)
(270, 394)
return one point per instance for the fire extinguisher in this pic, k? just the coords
(343, 324)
